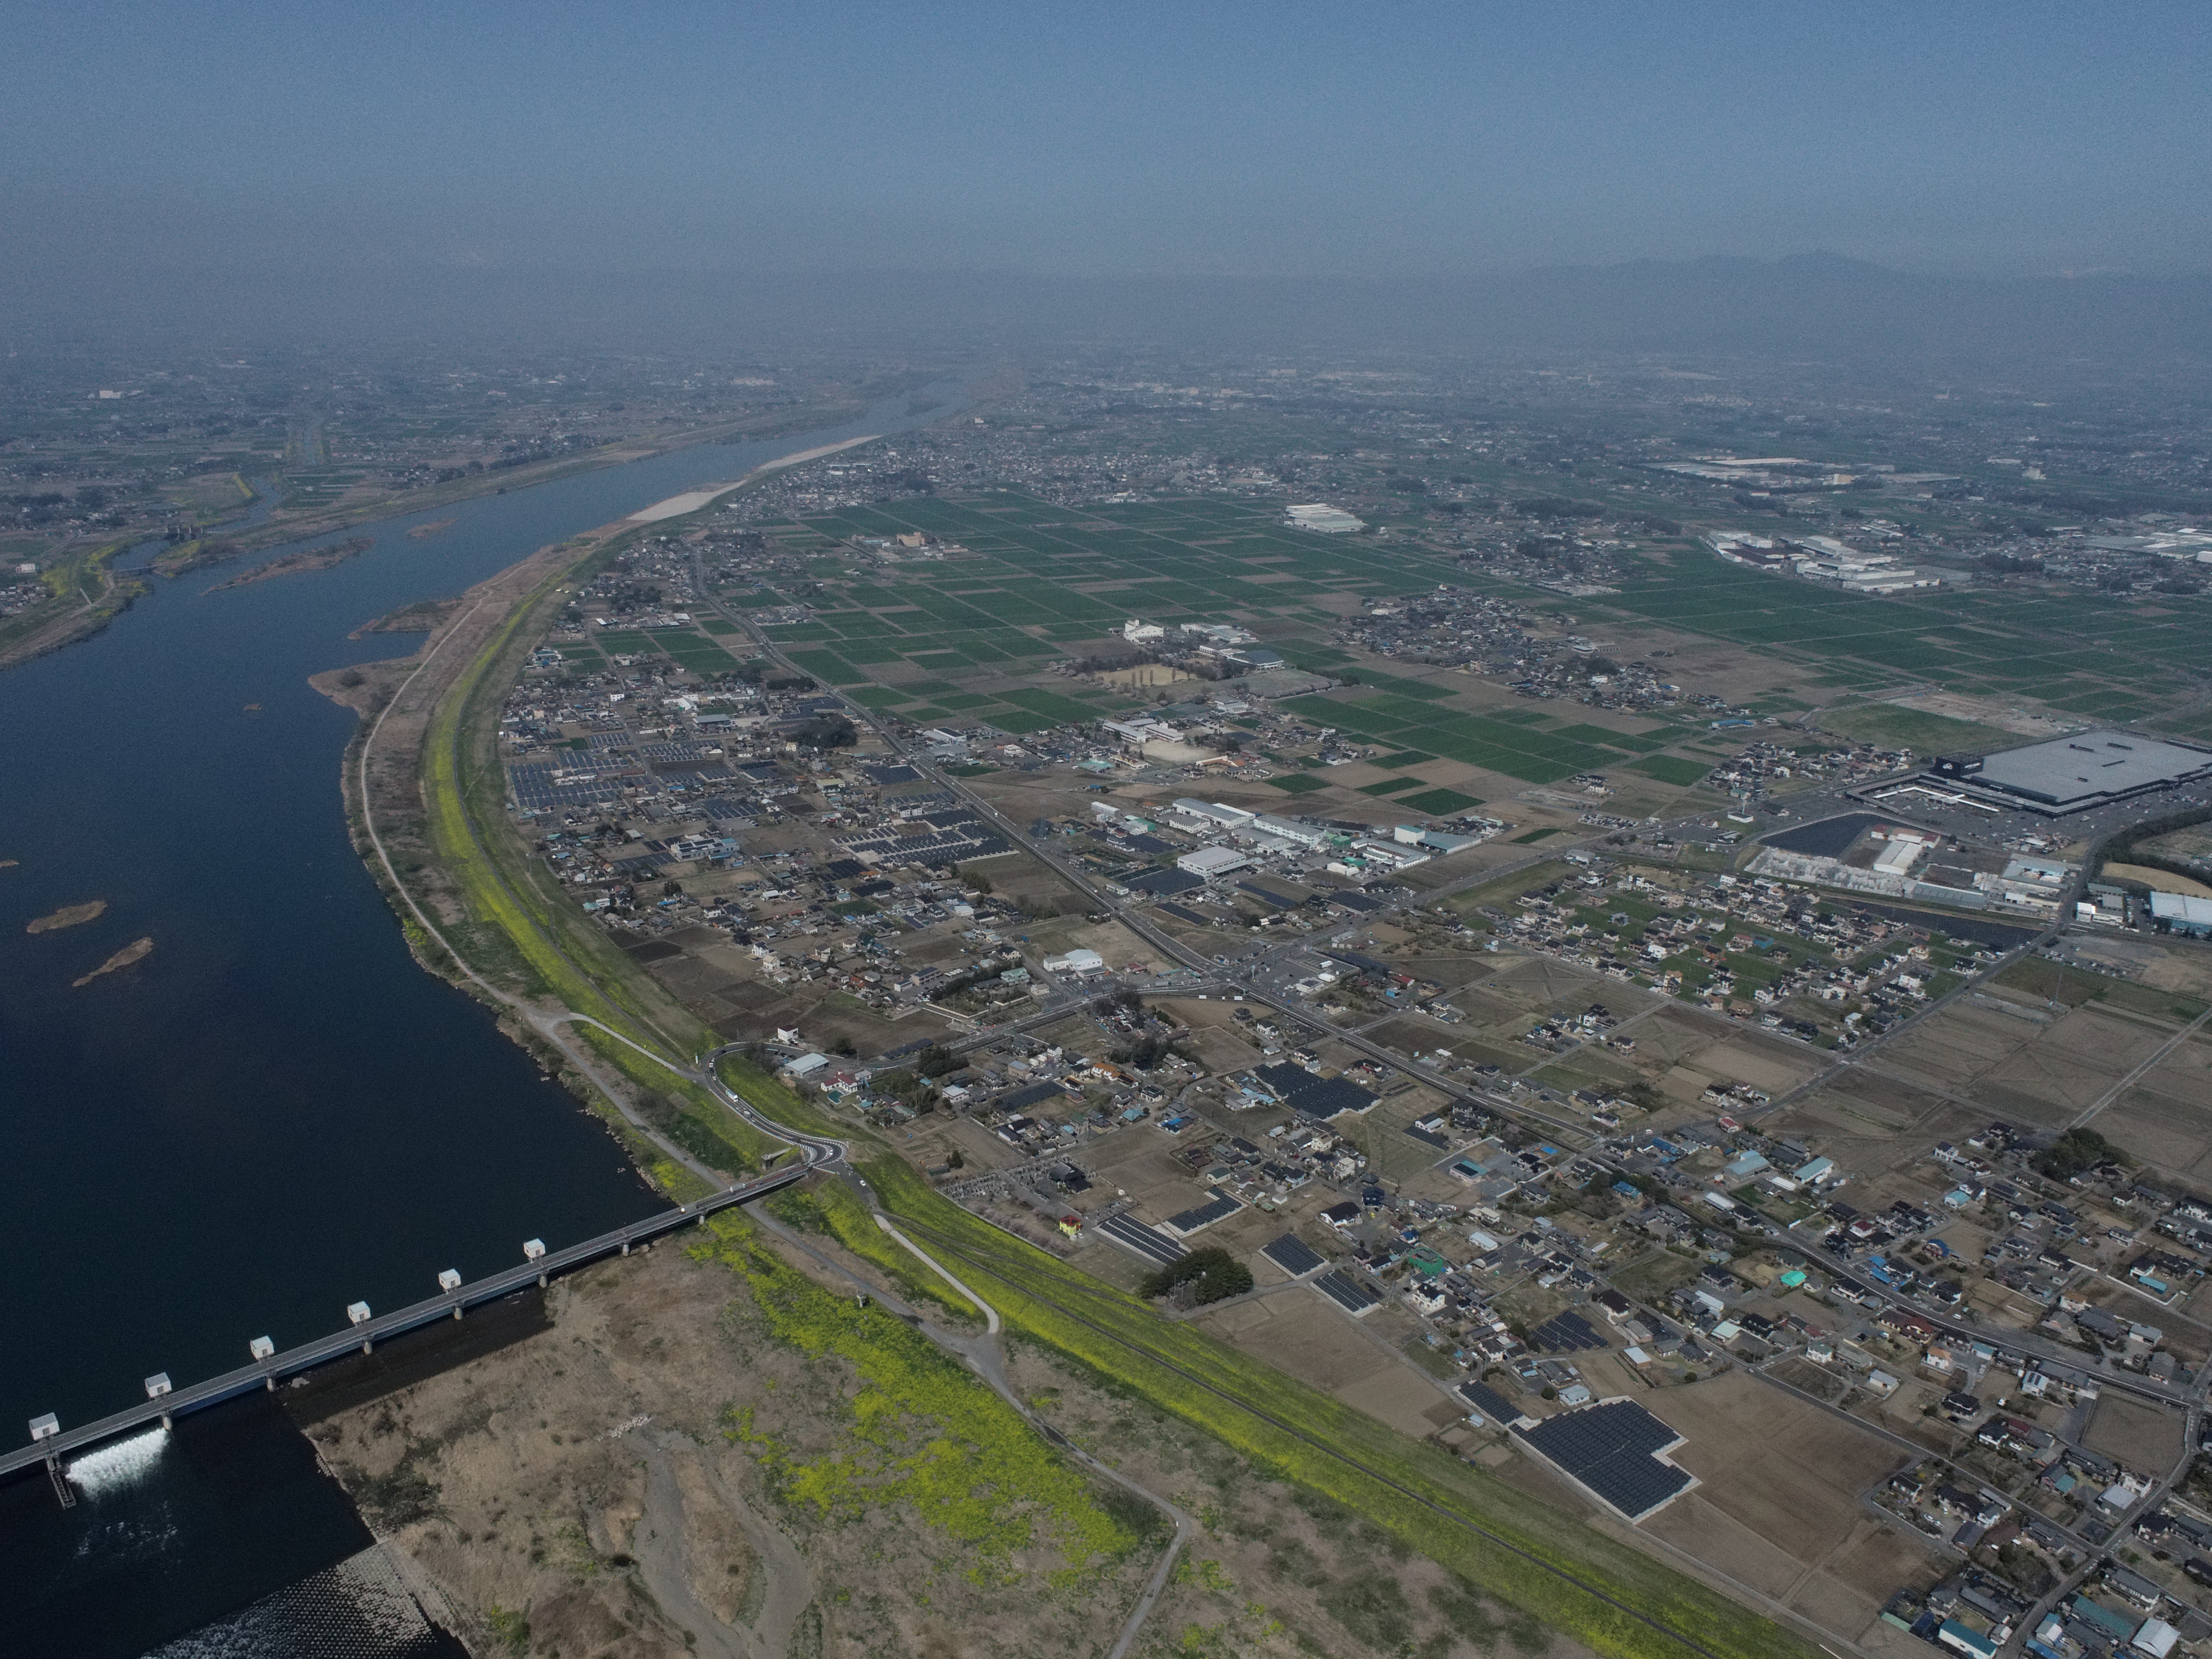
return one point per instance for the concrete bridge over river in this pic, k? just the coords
(52, 1444)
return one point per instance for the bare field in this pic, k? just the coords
(1959, 1045)
(2137, 1434)
(1777, 1511)
(1790, 1472)
(2172, 1132)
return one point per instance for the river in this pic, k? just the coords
(276, 1112)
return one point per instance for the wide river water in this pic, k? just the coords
(276, 1112)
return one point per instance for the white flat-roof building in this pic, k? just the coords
(1213, 812)
(2183, 912)
(1319, 515)
(1304, 834)
(1212, 861)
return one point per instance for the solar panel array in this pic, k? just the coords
(532, 784)
(1186, 1222)
(1614, 1450)
(1132, 1234)
(1330, 1096)
(1566, 1333)
(1184, 913)
(660, 753)
(936, 847)
(1488, 1401)
(1347, 1292)
(1293, 1255)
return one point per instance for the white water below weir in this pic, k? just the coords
(120, 1468)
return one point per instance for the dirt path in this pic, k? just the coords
(664, 1560)
(790, 1585)
(988, 1359)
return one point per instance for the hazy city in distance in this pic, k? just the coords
(1122, 831)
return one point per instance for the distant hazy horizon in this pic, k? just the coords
(1131, 139)
(1872, 180)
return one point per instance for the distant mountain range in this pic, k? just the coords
(1814, 307)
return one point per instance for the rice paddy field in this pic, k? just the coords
(1040, 579)
(937, 640)
(2101, 658)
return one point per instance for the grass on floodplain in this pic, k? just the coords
(1603, 1593)
(521, 933)
(921, 1428)
(835, 1208)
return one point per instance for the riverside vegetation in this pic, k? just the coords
(1591, 1588)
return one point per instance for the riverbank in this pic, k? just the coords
(398, 702)
(278, 527)
(425, 794)
(527, 939)
(295, 564)
(87, 596)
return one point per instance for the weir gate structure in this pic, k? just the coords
(51, 1442)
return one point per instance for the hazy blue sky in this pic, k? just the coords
(1281, 138)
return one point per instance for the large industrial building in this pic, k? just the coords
(2073, 775)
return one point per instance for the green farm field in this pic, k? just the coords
(969, 634)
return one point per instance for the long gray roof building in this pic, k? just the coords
(2073, 775)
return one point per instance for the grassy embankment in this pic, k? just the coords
(521, 931)
(1601, 1592)
(82, 592)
